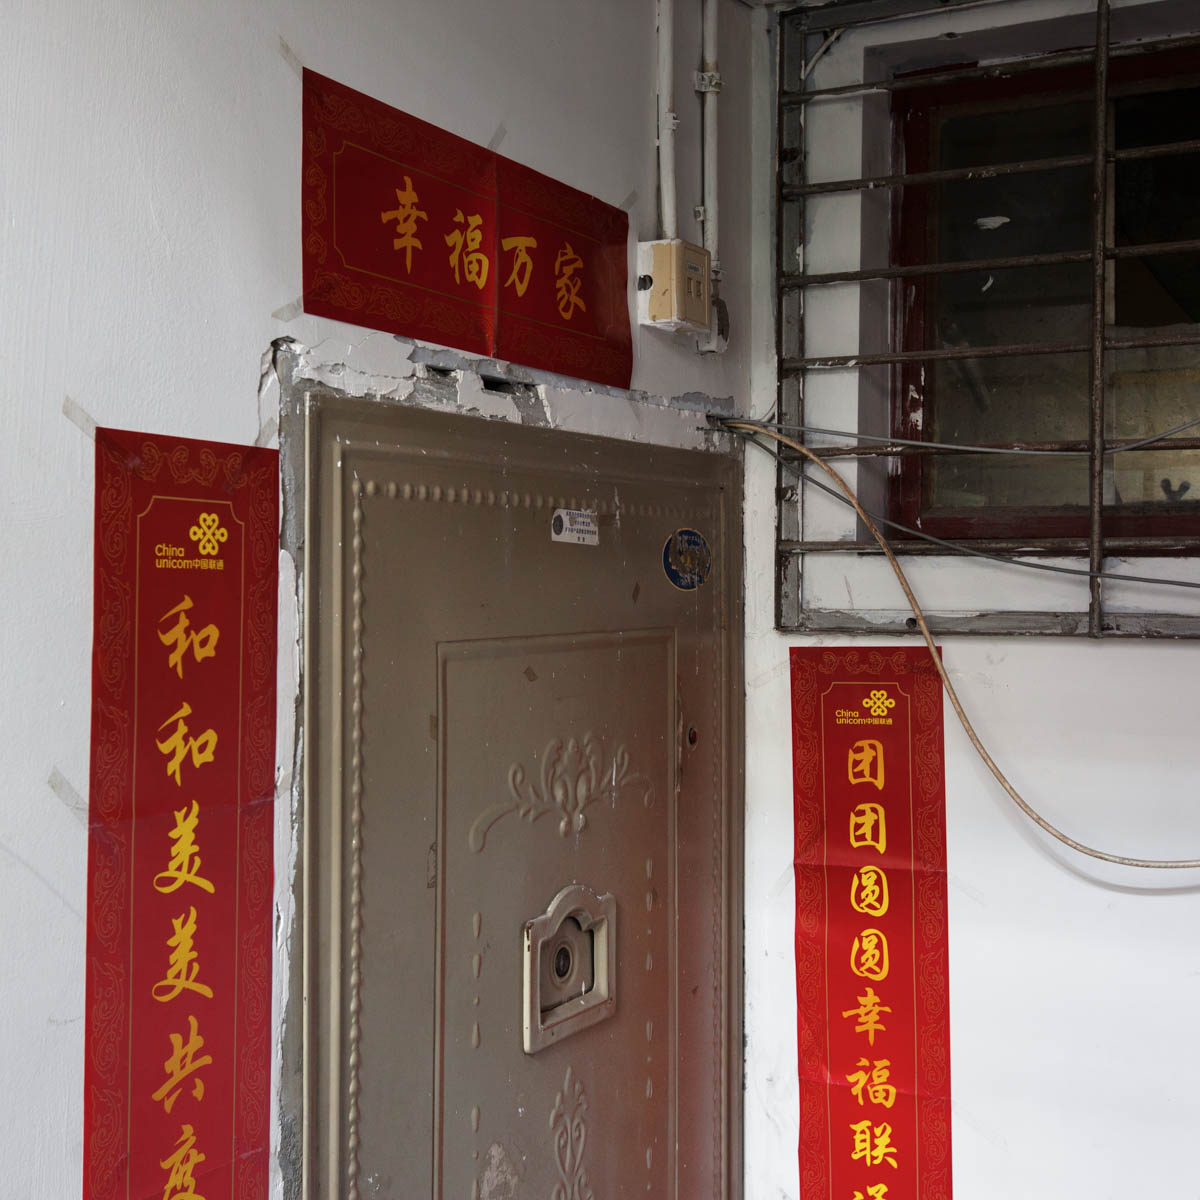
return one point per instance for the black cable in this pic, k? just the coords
(964, 448)
(947, 683)
(958, 548)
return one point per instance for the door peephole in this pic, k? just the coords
(568, 966)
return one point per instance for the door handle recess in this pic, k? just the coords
(569, 967)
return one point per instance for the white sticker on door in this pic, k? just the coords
(574, 525)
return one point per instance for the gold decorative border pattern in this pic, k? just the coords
(247, 479)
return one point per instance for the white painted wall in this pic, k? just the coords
(1070, 981)
(150, 216)
(149, 201)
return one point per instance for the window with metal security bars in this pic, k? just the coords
(1027, 299)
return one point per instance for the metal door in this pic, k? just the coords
(522, 832)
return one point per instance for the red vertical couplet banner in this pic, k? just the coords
(410, 229)
(177, 1044)
(871, 943)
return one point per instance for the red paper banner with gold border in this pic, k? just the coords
(177, 1045)
(412, 230)
(871, 943)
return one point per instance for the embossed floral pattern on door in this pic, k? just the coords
(575, 774)
(568, 1127)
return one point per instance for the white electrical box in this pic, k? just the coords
(673, 286)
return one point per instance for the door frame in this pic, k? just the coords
(301, 403)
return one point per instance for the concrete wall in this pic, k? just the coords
(150, 208)
(1068, 978)
(150, 205)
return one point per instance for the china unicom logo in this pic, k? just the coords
(208, 533)
(878, 703)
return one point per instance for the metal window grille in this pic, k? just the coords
(805, 35)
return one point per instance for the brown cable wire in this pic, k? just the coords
(955, 703)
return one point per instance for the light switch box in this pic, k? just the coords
(673, 286)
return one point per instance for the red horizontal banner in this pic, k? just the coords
(871, 942)
(177, 1044)
(412, 230)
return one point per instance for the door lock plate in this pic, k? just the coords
(569, 967)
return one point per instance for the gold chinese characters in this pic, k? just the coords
(406, 214)
(202, 642)
(465, 235)
(177, 745)
(866, 763)
(474, 261)
(868, 1014)
(567, 282)
(181, 1167)
(870, 1142)
(870, 1082)
(184, 865)
(522, 262)
(183, 966)
(868, 827)
(869, 891)
(873, 1143)
(183, 1061)
(188, 645)
(869, 955)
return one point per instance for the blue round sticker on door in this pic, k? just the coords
(687, 559)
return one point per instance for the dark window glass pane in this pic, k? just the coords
(1150, 391)
(990, 481)
(1044, 398)
(1036, 213)
(1013, 306)
(1155, 201)
(1026, 398)
(974, 139)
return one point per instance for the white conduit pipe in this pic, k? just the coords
(667, 121)
(708, 113)
(708, 84)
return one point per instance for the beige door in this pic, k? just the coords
(522, 820)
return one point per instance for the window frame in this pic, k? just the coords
(915, 115)
(992, 51)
